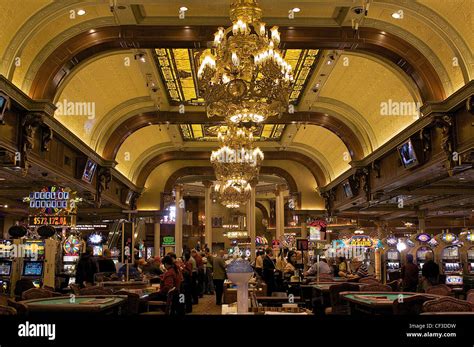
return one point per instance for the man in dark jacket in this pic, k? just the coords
(409, 275)
(430, 272)
(86, 268)
(269, 271)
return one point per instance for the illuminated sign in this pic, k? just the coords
(168, 241)
(52, 200)
(361, 241)
(423, 237)
(95, 239)
(449, 237)
(50, 220)
(392, 241)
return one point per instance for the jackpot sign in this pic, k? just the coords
(358, 241)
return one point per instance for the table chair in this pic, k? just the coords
(447, 304)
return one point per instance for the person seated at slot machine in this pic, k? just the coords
(105, 262)
(324, 268)
(342, 267)
(291, 265)
(86, 268)
(133, 272)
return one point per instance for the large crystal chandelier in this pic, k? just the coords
(247, 80)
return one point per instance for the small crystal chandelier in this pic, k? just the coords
(233, 194)
(247, 80)
(237, 159)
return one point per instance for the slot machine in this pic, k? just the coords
(467, 254)
(393, 259)
(96, 241)
(6, 265)
(71, 252)
(33, 261)
(449, 257)
(422, 249)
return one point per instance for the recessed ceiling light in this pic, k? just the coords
(396, 15)
(329, 62)
(183, 9)
(296, 10)
(81, 12)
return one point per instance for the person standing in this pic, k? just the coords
(269, 271)
(429, 272)
(219, 276)
(105, 263)
(409, 275)
(200, 272)
(86, 268)
(259, 263)
(209, 267)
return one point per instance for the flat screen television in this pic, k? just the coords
(346, 186)
(407, 154)
(32, 268)
(5, 268)
(89, 171)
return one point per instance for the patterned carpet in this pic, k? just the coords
(207, 305)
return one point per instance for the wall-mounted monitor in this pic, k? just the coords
(408, 155)
(89, 171)
(346, 186)
(4, 105)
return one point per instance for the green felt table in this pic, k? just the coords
(324, 287)
(376, 302)
(79, 304)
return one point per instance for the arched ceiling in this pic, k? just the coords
(425, 56)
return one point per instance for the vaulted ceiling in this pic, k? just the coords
(149, 116)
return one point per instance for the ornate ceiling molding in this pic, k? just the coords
(159, 159)
(81, 47)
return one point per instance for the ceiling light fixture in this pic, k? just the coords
(397, 15)
(295, 10)
(81, 12)
(183, 9)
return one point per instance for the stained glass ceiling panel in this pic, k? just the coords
(208, 132)
(177, 67)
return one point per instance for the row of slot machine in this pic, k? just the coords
(37, 260)
(453, 253)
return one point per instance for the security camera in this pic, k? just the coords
(358, 10)
(154, 89)
(44, 174)
(315, 89)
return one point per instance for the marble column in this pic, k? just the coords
(157, 234)
(280, 211)
(178, 226)
(208, 213)
(251, 222)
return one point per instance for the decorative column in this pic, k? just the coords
(280, 211)
(157, 233)
(178, 225)
(421, 221)
(304, 228)
(251, 221)
(208, 213)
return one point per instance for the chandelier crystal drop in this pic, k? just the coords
(246, 79)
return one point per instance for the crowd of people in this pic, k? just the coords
(198, 272)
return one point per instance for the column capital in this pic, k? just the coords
(280, 188)
(207, 183)
(178, 188)
(253, 183)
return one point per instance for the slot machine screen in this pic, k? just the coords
(97, 251)
(32, 268)
(5, 268)
(393, 255)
